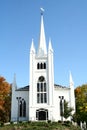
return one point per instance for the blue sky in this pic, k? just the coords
(65, 22)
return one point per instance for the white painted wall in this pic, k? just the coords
(14, 104)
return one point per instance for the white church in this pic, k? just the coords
(41, 99)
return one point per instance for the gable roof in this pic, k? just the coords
(26, 88)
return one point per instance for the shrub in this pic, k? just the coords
(20, 122)
(67, 123)
(2, 124)
(29, 122)
(60, 121)
(49, 121)
(54, 123)
(11, 122)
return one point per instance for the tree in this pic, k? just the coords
(81, 103)
(67, 110)
(5, 99)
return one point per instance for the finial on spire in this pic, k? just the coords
(42, 10)
(42, 50)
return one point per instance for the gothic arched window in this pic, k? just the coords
(44, 65)
(22, 108)
(37, 65)
(41, 65)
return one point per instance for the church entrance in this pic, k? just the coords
(42, 114)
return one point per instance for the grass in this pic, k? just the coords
(39, 126)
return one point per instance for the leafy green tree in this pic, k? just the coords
(81, 103)
(67, 110)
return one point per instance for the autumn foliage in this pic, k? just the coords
(81, 103)
(5, 99)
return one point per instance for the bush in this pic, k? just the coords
(11, 122)
(20, 122)
(54, 123)
(2, 124)
(49, 121)
(67, 123)
(29, 122)
(59, 121)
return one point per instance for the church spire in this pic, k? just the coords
(42, 50)
(50, 46)
(32, 49)
(72, 94)
(14, 85)
(71, 80)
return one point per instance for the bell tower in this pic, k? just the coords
(41, 78)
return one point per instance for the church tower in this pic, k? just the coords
(41, 90)
(42, 99)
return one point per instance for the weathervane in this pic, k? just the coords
(42, 10)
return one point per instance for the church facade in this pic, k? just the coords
(42, 99)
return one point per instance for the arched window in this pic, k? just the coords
(44, 65)
(41, 66)
(37, 65)
(41, 90)
(20, 114)
(22, 108)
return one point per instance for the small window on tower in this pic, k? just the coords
(41, 66)
(44, 65)
(38, 66)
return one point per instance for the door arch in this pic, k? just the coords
(42, 114)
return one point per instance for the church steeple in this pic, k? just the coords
(42, 50)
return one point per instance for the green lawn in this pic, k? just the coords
(39, 126)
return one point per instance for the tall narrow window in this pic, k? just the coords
(44, 87)
(41, 90)
(22, 108)
(45, 97)
(41, 97)
(37, 65)
(41, 87)
(41, 66)
(38, 98)
(20, 114)
(38, 87)
(44, 65)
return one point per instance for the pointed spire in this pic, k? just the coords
(32, 46)
(14, 81)
(71, 80)
(72, 94)
(42, 50)
(50, 45)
